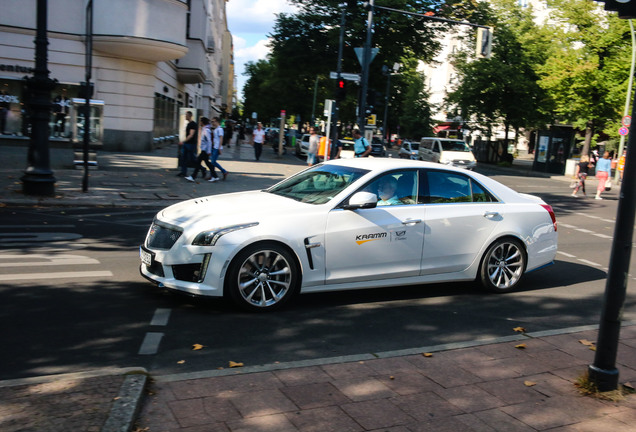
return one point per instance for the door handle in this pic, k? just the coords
(491, 214)
(411, 221)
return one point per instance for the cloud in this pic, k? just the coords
(255, 16)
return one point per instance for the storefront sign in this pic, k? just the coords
(15, 68)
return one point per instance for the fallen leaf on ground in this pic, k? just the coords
(529, 383)
(196, 347)
(235, 364)
(520, 346)
(586, 342)
(427, 354)
(181, 362)
(519, 329)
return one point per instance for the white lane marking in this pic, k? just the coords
(51, 260)
(58, 275)
(12, 227)
(561, 224)
(151, 342)
(566, 254)
(37, 237)
(604, 236)
(161, 317)
(586, 231)
(592, 263)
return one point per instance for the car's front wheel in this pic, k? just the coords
(262, 277)
(503, 265)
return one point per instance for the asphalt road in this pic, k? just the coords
(73, 299)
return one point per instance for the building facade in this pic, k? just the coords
(150, 59)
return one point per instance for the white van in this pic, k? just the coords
(447, 151)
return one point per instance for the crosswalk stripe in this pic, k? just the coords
(57, 275)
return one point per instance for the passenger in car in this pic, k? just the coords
(387, 188)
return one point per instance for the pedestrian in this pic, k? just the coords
(581, 173)
(361, 146)
(227, 133)
(204, 154)
(621, 165)
(218, 135)
(313, 147)
(336, 148)
(258, 138)
(603, 170)
(187, 147)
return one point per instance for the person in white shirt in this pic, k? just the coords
(387, 192)
(217, 145)
(204, 155)
(258, 138)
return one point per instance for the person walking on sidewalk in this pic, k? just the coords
(582, 170)
(187, 148)
(603, 169)
(204, 155)
(361, 146)
(258, 138)
(313, 147)
(217, 145)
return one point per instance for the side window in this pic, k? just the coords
(447, 187)
(395, 188)
(480, 194)
(436, 148)
(426, 144)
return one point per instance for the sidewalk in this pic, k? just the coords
(487, 385)
(520, 383)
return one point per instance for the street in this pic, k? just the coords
(74, 300)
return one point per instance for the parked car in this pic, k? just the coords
(327, 228)
(409, 150)
(447, 151)
(377, 147)
(302, 145)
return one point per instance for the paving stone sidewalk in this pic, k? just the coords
(523, 383)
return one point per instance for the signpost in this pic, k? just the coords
(281, 134)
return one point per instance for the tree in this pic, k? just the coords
(415, 121)
(305, 46)
(587, 67)
(503, 88)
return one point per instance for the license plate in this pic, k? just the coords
(146, 257)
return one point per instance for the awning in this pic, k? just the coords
(439, 128)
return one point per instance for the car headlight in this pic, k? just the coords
(209, 238)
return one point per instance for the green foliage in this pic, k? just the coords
(415, 122)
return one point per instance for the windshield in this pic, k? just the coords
(458, 146)
(415, 146)
(318, 184)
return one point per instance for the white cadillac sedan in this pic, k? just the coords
(350, 224)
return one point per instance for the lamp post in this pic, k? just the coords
(387, 72)
(38, 178)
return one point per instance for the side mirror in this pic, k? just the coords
(361, 200)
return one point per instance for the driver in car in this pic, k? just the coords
(387, 192)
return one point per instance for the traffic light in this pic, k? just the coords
(626, 8)
(341, 89)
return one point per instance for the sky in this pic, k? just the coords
(249, 22)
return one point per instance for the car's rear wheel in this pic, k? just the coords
(262, 277)
(503, 265)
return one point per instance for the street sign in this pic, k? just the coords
(360, 53)
(627, 120)
(345, 76)
(328, 107)
(623, 131)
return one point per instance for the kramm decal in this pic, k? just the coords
(363, 238)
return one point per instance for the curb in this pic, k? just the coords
(372, 356)
(127, 404)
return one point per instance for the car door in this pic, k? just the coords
(460, 218)
(376, 243)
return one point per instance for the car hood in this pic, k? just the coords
(230, 209)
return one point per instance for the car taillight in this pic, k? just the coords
(549, 209)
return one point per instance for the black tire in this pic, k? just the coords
(503, 265)
(262, 277)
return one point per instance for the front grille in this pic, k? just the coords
(162, 237)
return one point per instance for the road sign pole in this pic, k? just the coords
(362, 108)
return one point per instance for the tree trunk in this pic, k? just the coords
(589, 131)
